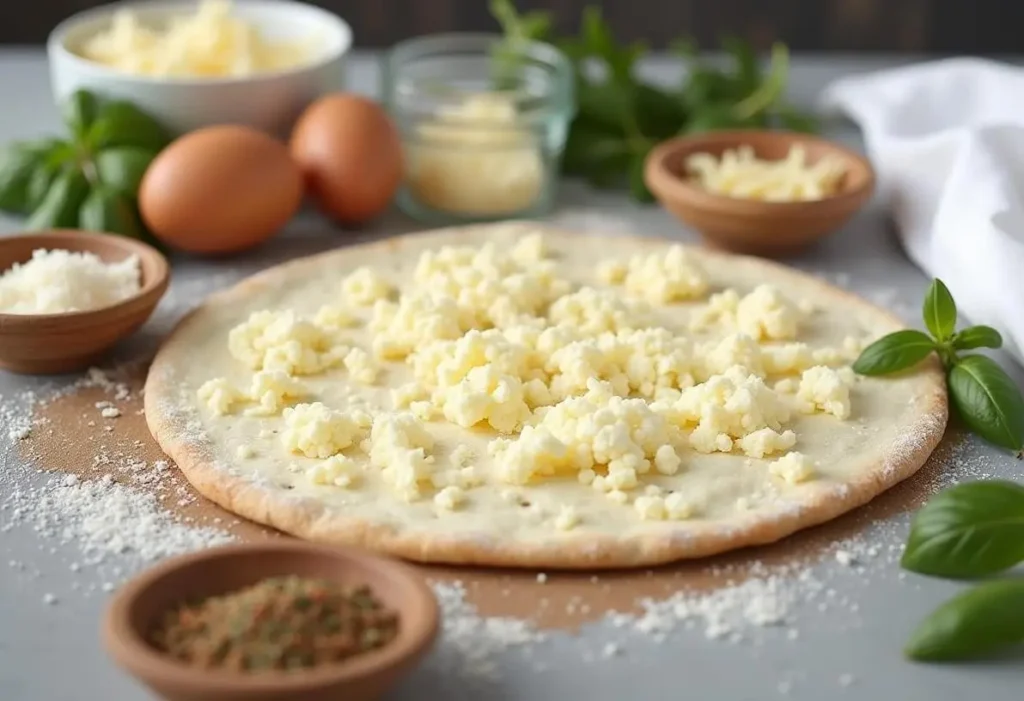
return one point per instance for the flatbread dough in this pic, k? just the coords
(895, 425)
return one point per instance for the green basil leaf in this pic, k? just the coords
(897, 351)
(17, 163)
(748, 73)
(111, 211)
(605, 105)
(121, 123)
(657, 114)
(939, 311)
(988, 401)
(970, 530)
(637, 186)
(122, 167)
(600, 42)
(80, 110)
(593, 153)
(981, 620)
(788, 117)
(977, 337)
(59, 207)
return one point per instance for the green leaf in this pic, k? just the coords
(59, 207)
(897, 351)
(122, 167)
(977, 337)
(121, 123)
(17, 163)
(981, 620)
(637, 186)
(788, 117)
(593, 153)
(109, 210)
(657, 114)
(605, 105)
(970, 530)
(599, 41)
(748, 73)
(715, 118)
(80, 110)
(988, 401)
(939, 311)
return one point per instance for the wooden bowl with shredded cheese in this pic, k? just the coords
(760, 192)
(67, 297)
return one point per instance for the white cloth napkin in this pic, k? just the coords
(947, 141)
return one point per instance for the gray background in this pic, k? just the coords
(51, 653)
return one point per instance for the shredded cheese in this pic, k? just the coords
(740, 173)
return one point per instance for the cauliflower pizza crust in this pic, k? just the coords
(517, 395)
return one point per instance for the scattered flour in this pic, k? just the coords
(472, 643)
(104, 518)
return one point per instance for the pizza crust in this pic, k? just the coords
(183, 431)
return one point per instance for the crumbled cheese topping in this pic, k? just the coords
(660, 278)
(316, 431)
(364, 286)
(793, 468)
(577, 384)
(826, 390)
(280, 340)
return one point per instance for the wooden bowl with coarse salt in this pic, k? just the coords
(51, 343)
(137, 609)
(757, 226)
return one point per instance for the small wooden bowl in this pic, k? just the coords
(753, 226)
(54, 343)
(139, 604)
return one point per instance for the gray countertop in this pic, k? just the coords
(842, 639)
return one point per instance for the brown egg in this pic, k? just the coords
(220, 190)
(350, 155)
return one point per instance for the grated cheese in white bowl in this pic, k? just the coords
(58, 281)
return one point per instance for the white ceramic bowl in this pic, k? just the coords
(267, 101)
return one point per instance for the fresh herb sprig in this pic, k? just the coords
(974, 529)
(985, 397)
(620, 117)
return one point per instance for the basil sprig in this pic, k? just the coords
(985, 397)
(974, 529)
(88, 180)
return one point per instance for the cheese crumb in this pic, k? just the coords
(220, 396)
(337, 471)
(793, 468)
(245, 452)
(275, 340)
(59, 281)
(361, 367)
(398, 445)
(449, 498)
(364, 286)
(824, 389)
(661, 278)
(316, 431)
(271, 390)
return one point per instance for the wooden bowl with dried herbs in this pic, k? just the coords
(285, 619)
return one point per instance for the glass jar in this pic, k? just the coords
(483, 125)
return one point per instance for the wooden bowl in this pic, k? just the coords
(139, 604)
(753, 226)
(55, 343)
